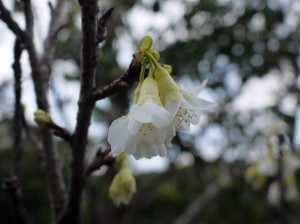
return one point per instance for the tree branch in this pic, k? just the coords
(55, 26)
(40, 81)
(61, 132)
(40, 77)
(38, 147)
(11, 183)
(86, 106)
(102, 21)
(101, 158)
(12, 187)
(129, 77)
(6, 17)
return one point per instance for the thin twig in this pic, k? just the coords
(6, 17)
(102, 21)
(55, 26)
(11, 183)
(36, 144)
(129, 77)
(18, 107)
(101, 158)
(61, 132)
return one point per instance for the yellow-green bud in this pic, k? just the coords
(42, 118)
(145, 43)
(122, 187)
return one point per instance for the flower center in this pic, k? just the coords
(186, 116)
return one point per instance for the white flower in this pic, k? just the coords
(184, 107)
(144, 131)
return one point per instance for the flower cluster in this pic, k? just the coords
(269, 167)
(159, 108)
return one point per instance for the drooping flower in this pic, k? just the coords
(184, 107)
(142, 133)
(123, 185)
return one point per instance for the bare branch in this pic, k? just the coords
(38, 147)
(86, 106)
(11, 183)
(40, 77)
(129, 77)
(40, 80)
(61, 132)
(101, 158)
(11, 186)
(28, 17)
(6, 17)
(18, 110)
(102, 21)
(55, 26)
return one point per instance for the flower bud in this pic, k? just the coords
(145, 43)
(42, 118)
(122, 187)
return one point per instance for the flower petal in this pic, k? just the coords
(162, 151)
(192, 102)
(200, 88)
(150, 112)
(118, 135)
(133, 126)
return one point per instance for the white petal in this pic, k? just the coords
(149, 135)
(182, 124)
(138, 154)
(130, 147)
(162, 151)
(118, 135)
(150, 112)
(172, 106)
(153, 150)
(200, 88)
(133, 126)
(192, 102)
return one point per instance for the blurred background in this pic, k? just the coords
(248, 50)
